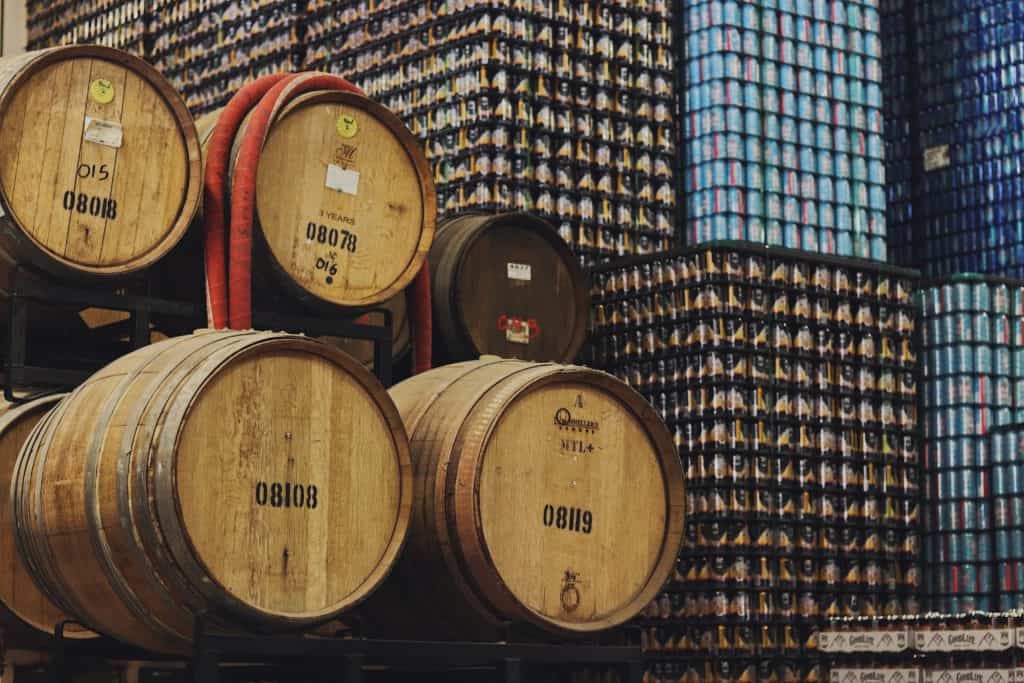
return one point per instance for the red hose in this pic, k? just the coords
(218, 157)
(417, 300)
(229, 288)
(243, 187)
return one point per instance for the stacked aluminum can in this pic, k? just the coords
(969, 208)
(560, 108)
(209, 49)
(66, 22)
(790, 382)
(1008, 519)
(783, 123)
(971, 331)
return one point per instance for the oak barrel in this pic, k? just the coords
(100, 170)
(548, 496)
(345, 201)
(261, 479)
(27, 615)
(506, 285)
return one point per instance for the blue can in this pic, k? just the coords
(983, 358)
(1017, 362)
(1004, 516)
(1017, 512)
(1017, 301)
(755, 230)
(963, 358)
(1000, 298)
(981, 328)
(791, 235)
(962, 297)
(827, 237)
(844, 240)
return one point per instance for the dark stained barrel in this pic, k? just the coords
(506, 285)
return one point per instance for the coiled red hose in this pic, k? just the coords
(229, 281)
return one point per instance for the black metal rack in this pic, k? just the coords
(27, 291)
(346, 658)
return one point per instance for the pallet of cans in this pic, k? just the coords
(783, 124)
(790, 381)
(1007, 448)
(980, 647)
(208, 49)
(65, 22)
(562, 109)
(898, 107)
(971, 344)
(965, 133)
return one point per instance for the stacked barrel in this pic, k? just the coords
(790, 382)
(115, 498)
(119, 494)
(969, 335)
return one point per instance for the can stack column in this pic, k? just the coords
(790, 382)
(969, 389)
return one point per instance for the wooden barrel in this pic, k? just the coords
(27, 615)
(401, 334)
(262, 479)
(548, 496)
(100, 170)
(345, 201)
(506, 285)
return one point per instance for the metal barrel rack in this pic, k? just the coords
(216, 657)
(27, 291)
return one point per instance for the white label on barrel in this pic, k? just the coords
(517, 332)
(936, 158)
(107, 133)
(342, 179)
(519, 271)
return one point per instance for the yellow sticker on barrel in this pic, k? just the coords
(102, 91)
(347, 126)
